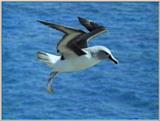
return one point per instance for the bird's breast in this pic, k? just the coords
(75, 64)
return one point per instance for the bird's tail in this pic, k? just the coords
(47, 58)
(42, 56)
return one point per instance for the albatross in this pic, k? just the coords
(74, 53)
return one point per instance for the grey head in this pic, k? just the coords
(103, 53)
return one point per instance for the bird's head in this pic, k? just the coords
(104, 53)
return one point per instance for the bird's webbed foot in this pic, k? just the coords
(50, 88)
(49, 84)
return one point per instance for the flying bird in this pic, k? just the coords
(73, 48)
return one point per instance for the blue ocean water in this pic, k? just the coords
(106, 91)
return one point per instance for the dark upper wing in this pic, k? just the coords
(66, 30)
(90, 26)
(94, 30)
(66, 46)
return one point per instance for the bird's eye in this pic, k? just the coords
(107, 54)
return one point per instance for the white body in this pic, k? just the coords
(73, 64)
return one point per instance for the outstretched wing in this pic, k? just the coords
(94, 30)
(65, 46)
(66, 30)
(75, 40)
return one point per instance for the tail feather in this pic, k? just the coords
(47, 58)
(42, 56)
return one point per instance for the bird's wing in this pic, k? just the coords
(89, 25)
(66, 46)
(94, 30)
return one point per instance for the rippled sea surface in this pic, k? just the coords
(106, 91)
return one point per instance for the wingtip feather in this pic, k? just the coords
(82, 19)
(39, 21)
(42, 22)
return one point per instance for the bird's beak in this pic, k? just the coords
(113, 59)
